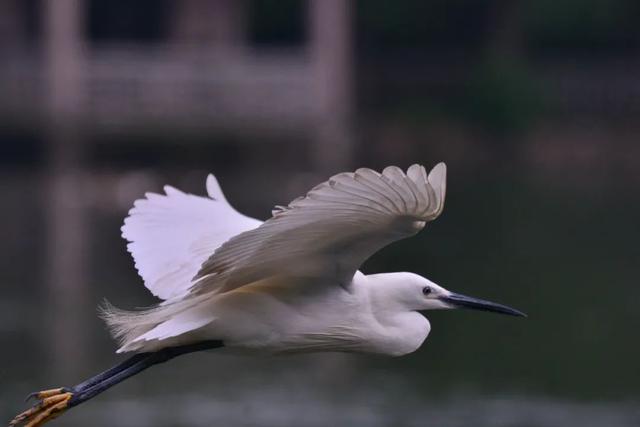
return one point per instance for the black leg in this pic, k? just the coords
(132, 366)
(82, 394)
(109, 372)
(101, 376)
(55, 401)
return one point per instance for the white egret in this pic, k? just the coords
(287, 285)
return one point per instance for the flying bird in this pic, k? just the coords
(290, 284)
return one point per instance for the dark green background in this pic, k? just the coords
(549, 229)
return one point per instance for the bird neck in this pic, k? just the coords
(387, 292)
(404, 329)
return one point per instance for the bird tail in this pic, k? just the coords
(153, 328)
(126, 325)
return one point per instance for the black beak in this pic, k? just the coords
(463, 301)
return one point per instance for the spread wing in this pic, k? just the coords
(331, 231)
(170, 235)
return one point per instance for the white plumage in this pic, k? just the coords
(291, 283)
(171, 235)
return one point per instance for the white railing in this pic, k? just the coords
(135, 86)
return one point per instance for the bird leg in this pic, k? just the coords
(52, 403)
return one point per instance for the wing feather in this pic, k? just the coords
(170, 235)
(330, 231)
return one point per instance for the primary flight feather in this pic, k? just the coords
(289, 284)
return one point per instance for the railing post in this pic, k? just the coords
(331, 53)
(68, 297)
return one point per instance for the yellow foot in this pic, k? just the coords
(51, 404)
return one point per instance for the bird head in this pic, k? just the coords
(418, 293)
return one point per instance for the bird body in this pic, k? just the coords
(280, 316)
(216, 284)
(290, 284)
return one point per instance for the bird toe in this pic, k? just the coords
(51, 404)
(40, 395)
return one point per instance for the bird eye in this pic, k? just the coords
(426, 290)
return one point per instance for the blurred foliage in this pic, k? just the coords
(384, 25)
(142, 20)
(547, 24)
(502, 96)
(277, 22)
(607, 25)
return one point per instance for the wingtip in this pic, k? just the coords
(170, 190)
(438, 174)
(213, 188)
(438, 180)
(441, 167)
